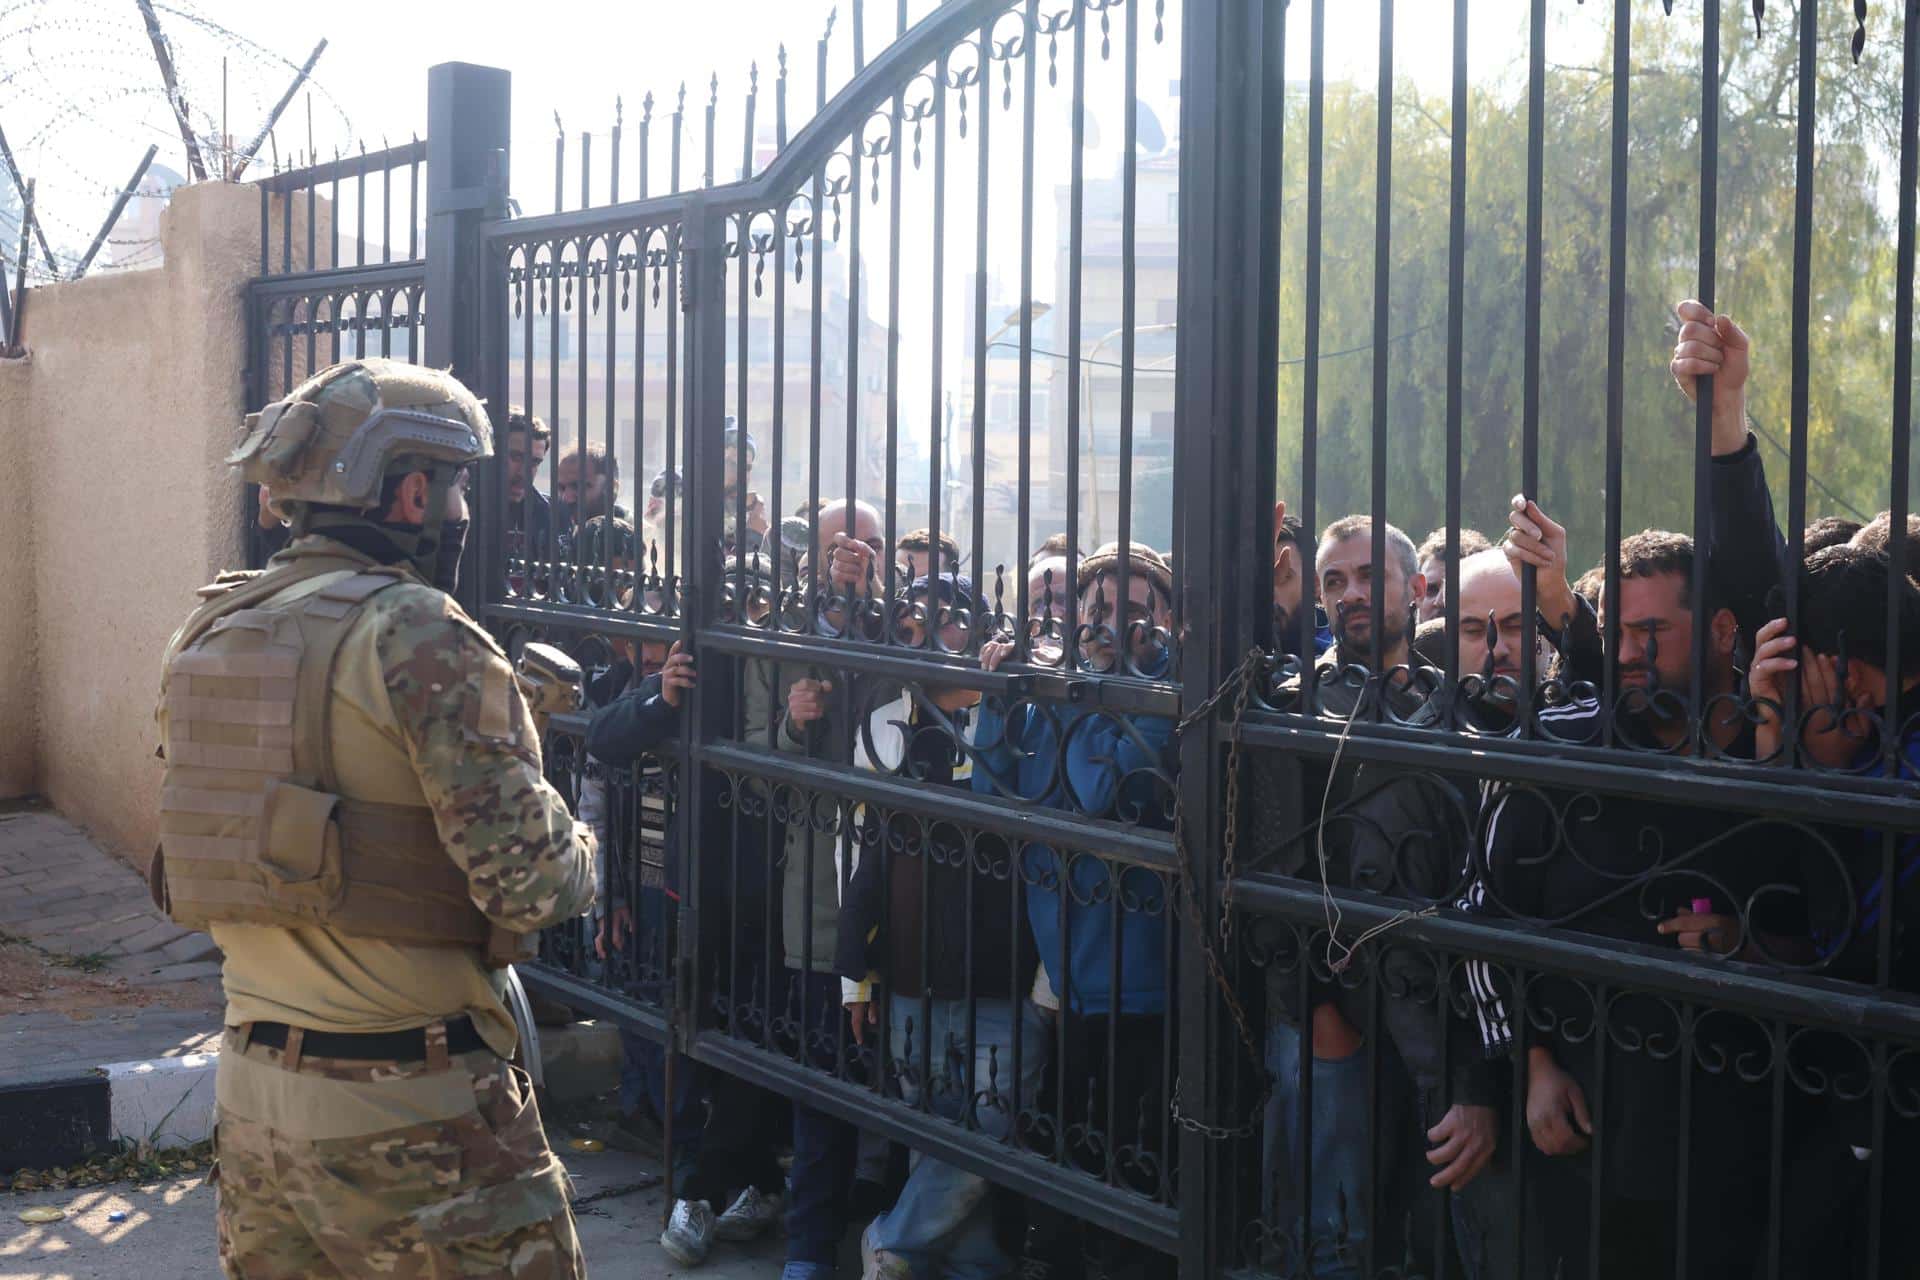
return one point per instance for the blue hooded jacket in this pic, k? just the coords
(1106, 771)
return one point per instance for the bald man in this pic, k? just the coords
(1490, 617)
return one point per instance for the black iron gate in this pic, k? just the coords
(1118, 858)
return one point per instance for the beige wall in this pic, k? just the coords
(127, 402)
(19, 711)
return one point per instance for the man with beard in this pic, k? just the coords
(586, 481)
(1643, 874)
(1402, 833)
(529, 514)
(355, 807)
(1432, 556)
(1341, 1127)
(1289, 589)
(1491, 639)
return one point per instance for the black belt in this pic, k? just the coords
(378, 1046)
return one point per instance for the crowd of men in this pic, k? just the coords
(1021, 989)
(1643, 1149)
(1490, 849)
(973, 1019)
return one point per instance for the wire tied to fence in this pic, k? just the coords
(1348, 952)
(1239, 687)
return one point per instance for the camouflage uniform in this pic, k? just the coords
(476, 1194)
(420, 1166)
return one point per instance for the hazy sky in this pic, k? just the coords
(76, 76)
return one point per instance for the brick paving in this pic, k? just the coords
(69, 898)
(65, 894)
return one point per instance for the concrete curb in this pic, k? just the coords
(167, 1101)
(45, 1124)
(50, 1123)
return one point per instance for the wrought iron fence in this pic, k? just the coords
(1201, 912)
(303, 217)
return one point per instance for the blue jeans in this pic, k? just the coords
(942, 1222)
(643, 1078)
(823, 1147)
(1335, 1228)
(1482, 1214)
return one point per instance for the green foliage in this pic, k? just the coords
(1851, 348)
(85, 962)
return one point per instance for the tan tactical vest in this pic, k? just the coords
(253, 829)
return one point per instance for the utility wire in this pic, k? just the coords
(1825, 488)
(1115, 364)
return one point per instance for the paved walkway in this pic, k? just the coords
(168, 1230)
(95, 973)
(156, 994)
(62, 892)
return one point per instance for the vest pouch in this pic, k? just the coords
(300, 850)
(505, 947)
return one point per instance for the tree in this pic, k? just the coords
(1852, 278)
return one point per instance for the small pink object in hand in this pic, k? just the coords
(1703, 906)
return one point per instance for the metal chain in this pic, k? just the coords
(1217, 1132)
(645, 1183)
(1243, 678)
(1239, 684)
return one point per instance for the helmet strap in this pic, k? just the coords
(425, 550)
(418, 546)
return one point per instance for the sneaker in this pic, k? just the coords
(877, 1263)
(748, 1217)
(689, 1234)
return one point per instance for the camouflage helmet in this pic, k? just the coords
(334, 439)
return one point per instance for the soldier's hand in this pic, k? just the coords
(807, 701)
(677, 676)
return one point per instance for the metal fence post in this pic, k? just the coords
(703, 303)
(467, 141)
(1217, 399)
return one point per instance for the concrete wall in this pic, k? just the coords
(19, 709)
(127, 402)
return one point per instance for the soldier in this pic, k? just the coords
(354, 808)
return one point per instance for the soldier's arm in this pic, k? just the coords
(477, 754)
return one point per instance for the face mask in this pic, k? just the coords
(446, 557)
